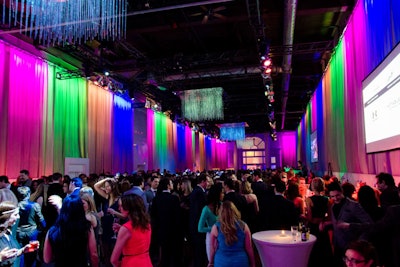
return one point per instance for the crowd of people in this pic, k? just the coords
(193, 218)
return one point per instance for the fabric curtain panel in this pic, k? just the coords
(4, 85)
(181, 147)
(70, 119)
(201, 162)
(99, 129)
(287, 139)
(24, 99)
(122, 135)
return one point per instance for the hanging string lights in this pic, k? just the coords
(232, 131)
(74, 21)
(203, 104)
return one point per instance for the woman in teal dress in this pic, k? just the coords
(209, 214)
(231, 240)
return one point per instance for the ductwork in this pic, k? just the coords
(288, 28)
(215, 73)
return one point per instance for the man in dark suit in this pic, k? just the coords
(258, 186)
(166, 225)
(54, 188)
(280, 213)
(389, 192)
(197, 200)
(22, 180)
(260, 189)
(150, 195)
(237, 199)
(385, 234)
(151, 192)
(137, 189)
(343, 210)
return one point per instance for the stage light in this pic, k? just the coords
(267, 63)
(268, 70)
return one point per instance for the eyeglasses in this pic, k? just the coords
(352, 260)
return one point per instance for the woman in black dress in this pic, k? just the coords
(317, 208)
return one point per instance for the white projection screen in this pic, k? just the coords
(381, 102)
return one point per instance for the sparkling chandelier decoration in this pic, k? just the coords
(203, 104)
(73, 21)
(232, 131)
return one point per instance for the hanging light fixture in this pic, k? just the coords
(232, 131)
(203, 104)
(72, 21)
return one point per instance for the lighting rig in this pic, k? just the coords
(266, 72)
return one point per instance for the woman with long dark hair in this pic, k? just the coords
(133, 241)
(209, 214)
(108, 190)
(71, 241)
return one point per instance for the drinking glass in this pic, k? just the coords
(295, 232)
(116, 220)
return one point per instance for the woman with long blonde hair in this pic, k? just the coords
(231, 239)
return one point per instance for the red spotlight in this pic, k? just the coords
(266, 62)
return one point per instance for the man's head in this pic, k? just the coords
(257, 175)
(23, 176)
(57, 177)
(155, 181)
(166, 184)
(202, 180)
(299, 163)
(280, 187)
(138, 181)
(384, 180)
(229, 184)
(75, 183)
(4, 181)
(210, 182)
(83, 177)
(335, 192)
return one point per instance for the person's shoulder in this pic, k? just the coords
(133, 190)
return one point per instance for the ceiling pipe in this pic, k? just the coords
(288, 33)
(215, 73)
(166, 8)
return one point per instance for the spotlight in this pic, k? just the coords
(106, 73)
(98, 80)
(268, 70)
(266, 62)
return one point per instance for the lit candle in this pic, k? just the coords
(283, 233)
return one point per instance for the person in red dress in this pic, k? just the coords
(133, 239)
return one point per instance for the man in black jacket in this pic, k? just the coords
(197, 200)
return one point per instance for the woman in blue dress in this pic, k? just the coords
(231, 240)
